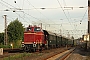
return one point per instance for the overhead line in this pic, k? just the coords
(64, 11)
(16, 8)
(37, 10)
(69, 16)
(84, 15)
(7, 3)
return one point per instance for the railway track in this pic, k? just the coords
(8, 52)
(12, 50)
(61, 56)
(44, 55)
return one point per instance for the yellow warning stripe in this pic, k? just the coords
(34, 33)
(29, 33)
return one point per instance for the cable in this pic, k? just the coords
(64, 12)
(18, 9)
(5, 5)
(38, 10)
(21, 9)
(23, 4)
(84, 15)
(22, 17)
(27, 14)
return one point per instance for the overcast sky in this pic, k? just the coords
(54, 16)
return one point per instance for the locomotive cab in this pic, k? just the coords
(33, 29)
(33, 38)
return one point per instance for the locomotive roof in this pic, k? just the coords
(59, 35)
(49, 32)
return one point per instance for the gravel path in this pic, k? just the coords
(79, 54)
(43, 55)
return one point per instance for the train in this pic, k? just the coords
(35, 38)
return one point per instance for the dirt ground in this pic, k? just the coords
(80, 54)
(44, 54)
(33, 56)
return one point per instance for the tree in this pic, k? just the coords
(15, 31)
(72, 38)
(1, 38)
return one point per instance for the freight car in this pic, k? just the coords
(37, 39)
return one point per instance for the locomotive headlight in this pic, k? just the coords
(22, 45)
(11, 44)
(40, 44)
(34, 42)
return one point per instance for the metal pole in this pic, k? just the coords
(41, 25)
(5, 40)
(88, 16)
(86, 45)
(89, 21)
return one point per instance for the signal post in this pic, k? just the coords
(89, 22)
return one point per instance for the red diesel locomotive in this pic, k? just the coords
(34, 39)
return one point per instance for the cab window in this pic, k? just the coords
(28, 29)
(37, 29)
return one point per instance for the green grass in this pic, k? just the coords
(4, 46)
(17, 56)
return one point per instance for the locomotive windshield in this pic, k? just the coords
(28, 29)
(37, 29)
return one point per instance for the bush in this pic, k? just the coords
(5, 46)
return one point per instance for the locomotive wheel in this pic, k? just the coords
(26, 49)
(34, 50)
(30, 50)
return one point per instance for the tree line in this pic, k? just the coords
(15, 31)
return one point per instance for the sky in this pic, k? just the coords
(64, 17)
